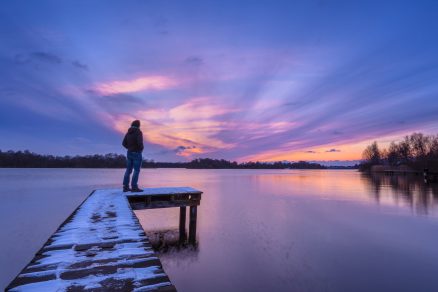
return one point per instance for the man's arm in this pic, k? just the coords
(125, 142)
(140, 141)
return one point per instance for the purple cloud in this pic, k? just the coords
(333, 150)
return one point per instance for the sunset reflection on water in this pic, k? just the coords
(257, 230)
(303, 230)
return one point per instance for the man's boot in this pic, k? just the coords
(136, 190)
(126, 189)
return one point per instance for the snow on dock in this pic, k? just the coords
(102, 246)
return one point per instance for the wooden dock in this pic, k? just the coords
(430, 177)
(101, 246)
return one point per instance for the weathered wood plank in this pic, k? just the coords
(165, 191)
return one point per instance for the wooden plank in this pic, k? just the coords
(162, 204)
(165, 191)
(165, 198)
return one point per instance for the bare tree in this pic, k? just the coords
(404, 151)
(419, 145)
(371, 154)
(417, 151)
(392, 154)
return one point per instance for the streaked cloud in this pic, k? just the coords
(192, 125)
(139, 84)
(79, 65)
(44, 57)
(265, 85)
(333, 150)
(194, 61)
(187, 151)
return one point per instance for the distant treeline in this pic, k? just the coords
(415, 152)
(23, 159)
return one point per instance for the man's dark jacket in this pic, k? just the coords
(133, 140)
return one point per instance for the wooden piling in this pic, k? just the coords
(425, 175)
(182, 223)
(192, 224)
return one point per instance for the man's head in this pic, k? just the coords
(136, 124)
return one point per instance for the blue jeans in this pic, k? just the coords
(133, 161)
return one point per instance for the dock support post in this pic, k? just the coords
(426, 175)
(182, 223)
(192, 226)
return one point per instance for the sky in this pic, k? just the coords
(238, 80)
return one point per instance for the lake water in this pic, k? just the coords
(258, 230)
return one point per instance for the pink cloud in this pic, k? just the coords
(144, 83)
(193, 125)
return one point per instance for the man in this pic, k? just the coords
(133, 141)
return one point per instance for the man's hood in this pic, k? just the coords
(133, 130)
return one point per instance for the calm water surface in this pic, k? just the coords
(258, 230)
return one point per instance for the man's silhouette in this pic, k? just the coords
(133, 141)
